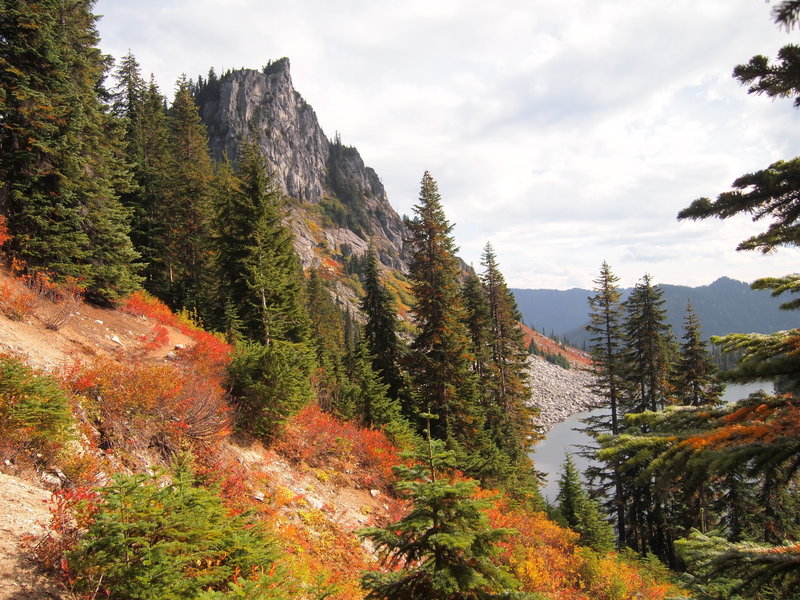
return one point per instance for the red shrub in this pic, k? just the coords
(320, 439)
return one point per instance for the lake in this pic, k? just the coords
(549, 453)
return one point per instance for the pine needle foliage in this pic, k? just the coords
(442, 550)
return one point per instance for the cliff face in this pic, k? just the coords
(350, 201)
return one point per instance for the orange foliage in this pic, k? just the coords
(763, 423)
(546, 559)
(151, 406)
(318, 438)
(4, 235)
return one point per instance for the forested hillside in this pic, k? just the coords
(242, 376)
(218, 418)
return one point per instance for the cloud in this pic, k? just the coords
(565, 133)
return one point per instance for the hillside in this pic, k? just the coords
(724, 306)
(315, 486)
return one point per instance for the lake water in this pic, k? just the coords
(562, 438)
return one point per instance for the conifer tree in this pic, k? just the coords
(607, 348)
(648, 342)
(509, 417)
(258, 266)
(580, 512)
(60, 153)
(444, 546)
(479, 327)
(695, 383)
(141, 108)
(440, 359)
(381, 330)
(327, 336)
(187, 265)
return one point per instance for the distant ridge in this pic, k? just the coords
(724, 306)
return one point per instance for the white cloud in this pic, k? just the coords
(565, 133)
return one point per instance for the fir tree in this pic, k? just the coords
(580, 512)
(695, 383)
(186, 265)
(60, 152)
(509, 418)
(327, 336)
(258, 266)
(443, 547)
(440, 362)
(381, 330)
(648, 342)
(607, 347)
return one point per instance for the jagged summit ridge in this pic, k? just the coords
(310, 166)
(265, 104)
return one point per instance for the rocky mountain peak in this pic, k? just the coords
(311, 168)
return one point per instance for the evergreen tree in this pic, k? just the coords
(142, 110)
(510, 418)
(368, 401)
(327, 336)
(440, 361)
(381, 330)
(607, 348)
(648, 342)
(479, 327)
(695, 383)
(443, 546)
(259, 269)
(187, 202)
(580, 512)
(60, 153)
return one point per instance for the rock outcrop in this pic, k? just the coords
(559, 393)
(310, 167)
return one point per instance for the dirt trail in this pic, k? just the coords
(23, 512)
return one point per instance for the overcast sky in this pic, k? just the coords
(566, 133)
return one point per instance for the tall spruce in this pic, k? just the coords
(381, 330)
(60, 149)
(259, 269)
(440, 361)
(648, 343)
(695, 381)
(509, 418)
(606, 348)
(187, 265)
(141, 108)
(327, 337)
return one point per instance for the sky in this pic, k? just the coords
(565, 134)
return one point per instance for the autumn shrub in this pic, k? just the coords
(148, 539)
(137, 406)
(547, 559)
(35, 415)
(319, 439)
(270, 384)
(16, 300)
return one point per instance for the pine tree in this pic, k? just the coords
(695, 383)
(381, 330)
(60, 153)
(259, 269)
(443, 547)
(580, 512)
(186, 265)
(440, 361)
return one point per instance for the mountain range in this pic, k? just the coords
(724, 306)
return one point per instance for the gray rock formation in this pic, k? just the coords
(559, 393)
(310, 167)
